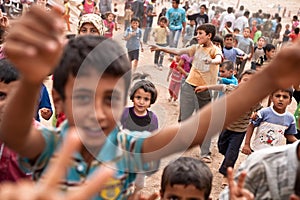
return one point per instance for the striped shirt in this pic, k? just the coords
(271, 172)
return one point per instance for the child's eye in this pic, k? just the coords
(173, 198)
(138, 97)
(147, 99)
(94, 31)
(2, 96)
(82, 99)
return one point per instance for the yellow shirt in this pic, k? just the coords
(201, 73)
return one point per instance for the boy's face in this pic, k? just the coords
(246, 33)
(192, 22)
(228, 42)
(281, 99)
(5, 91)
(182, 192)
(202, 10)
(94, 103)
(141, 102)
(88, 29)
(245, 78)
(271, 54)
(174, 4)
(202, 37)
(261, 42)
(134, 24)
(225, 73)
(162, 23)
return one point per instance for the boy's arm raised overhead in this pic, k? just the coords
(282, 72)
(35, 53)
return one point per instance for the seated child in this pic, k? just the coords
(275, 125)
(175, 81)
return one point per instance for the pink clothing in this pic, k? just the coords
(109, 28)
(174, 88)
(88, 7)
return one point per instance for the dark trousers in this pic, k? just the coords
(229, 144)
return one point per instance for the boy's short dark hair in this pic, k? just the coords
(135, 19)
(228, 35)
(8, 73)
(288, 90)
(229, 24)
(228, 65)
(247, 72)
(86, 52)
(187, 171)
(208, 28)
(203, 6)
(176, 1)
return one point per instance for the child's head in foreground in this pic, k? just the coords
(281, 98)
(90, 24)
(91, 83)
(143, 94)
(186, 178)
(226, 69)
(205, 33)
(8, 80)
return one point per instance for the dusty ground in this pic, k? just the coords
(168, 113)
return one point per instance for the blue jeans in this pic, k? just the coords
(190, 102)
(174, 38)
(159, 55)
(229, 144)
(147, 30)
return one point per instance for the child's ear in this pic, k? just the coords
(209, 35)
(57, 101)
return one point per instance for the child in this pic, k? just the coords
(270, 52)
(138, 118)
(230, 52)
(9, 168)
(204, 71)
(175, 81)
(286, 33)
(274, 124)
(90, 24)
(227, 28)
(258, 52)
(133, 35)
(295, 35)
(231, 138)
(257, 34)
(127, 16)
(226, 73)
(189, 32)
(109, 25)
(96, 112)
(245, 43)
(160, 35)
(88, 7)
(186, 178)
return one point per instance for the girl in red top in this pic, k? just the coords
(110, 25)
(175, 81)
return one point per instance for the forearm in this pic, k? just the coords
(249, 133)
(218, 87)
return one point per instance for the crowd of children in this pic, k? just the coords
(92, 78)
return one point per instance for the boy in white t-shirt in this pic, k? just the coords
(274, 124)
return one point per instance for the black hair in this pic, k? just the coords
(247, 72)
(8, 73)
(228, 65)
(86, 52)
(230, 10)
(146, 85)
(208, 28)
(219, 39)
(246, 13)
(187, 171)
(204, 6)
(288, 90)
(176, 1)
(229, 24)
(135, 19)
(297, 30)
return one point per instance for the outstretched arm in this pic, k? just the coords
(282, 72)
(175, 51)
